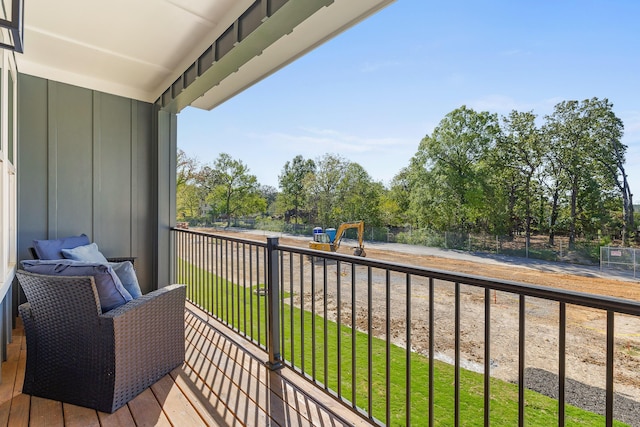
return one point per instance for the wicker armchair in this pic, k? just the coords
(79, 355)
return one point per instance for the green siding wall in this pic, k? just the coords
(86, 166)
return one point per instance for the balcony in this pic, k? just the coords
(270, 338)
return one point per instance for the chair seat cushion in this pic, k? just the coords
(85, 253)
(52, 249)
(111, 292)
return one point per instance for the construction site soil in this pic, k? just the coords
(585, 334)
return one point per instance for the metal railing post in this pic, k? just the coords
(273, 301)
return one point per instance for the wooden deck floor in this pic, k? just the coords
(223, 382)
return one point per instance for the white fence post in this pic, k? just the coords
(560, 248)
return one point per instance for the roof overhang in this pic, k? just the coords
(177, 52)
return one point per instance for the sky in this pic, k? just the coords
(373, 92)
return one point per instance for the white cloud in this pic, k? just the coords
(320, 141)
(382, 157)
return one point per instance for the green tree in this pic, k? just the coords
(587, 155)
(188, 196)
(323, 187)
(233, 190)
(521, 153)
(609, 154)
(568, 133)
(270, 195)
(396, 201)
(358, 197)
(293, 182)
(455, 158)
(554, 185)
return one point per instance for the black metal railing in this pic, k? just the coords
(371, 332)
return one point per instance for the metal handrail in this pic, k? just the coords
(281, 265)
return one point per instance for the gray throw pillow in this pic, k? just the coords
(128, 277)
(85, 253)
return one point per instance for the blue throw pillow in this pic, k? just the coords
(85, 253)
(128, 277)
(110, 290)
(52, 249)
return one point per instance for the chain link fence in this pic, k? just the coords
(619, 258)
(584, 251)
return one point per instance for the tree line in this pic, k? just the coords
(563, 173)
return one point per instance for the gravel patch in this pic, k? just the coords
(583, 395)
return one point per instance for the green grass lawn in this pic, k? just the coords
(308, 338)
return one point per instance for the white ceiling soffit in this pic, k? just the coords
(323, 25)
(132, 48)
(139, 48)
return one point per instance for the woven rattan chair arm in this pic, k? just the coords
(167, 296)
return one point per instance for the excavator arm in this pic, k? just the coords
(359, 225)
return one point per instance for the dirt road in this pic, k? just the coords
(557, 275)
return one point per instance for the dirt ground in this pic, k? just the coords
(593, 285)
(586, 328)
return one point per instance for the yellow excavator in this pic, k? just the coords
(329, 239)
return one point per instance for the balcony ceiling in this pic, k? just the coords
(137, 49)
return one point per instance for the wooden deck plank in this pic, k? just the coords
(77, 416)
(146, 410)
(21, 404)
(221, 390)
(5, 410)
(175, 405)
(253, 391)
(45, 412)
(195, 397)
(223, 378)
(220, 351)
(215, 402)
(19, 415)
(280, 394)
(120, 418)
(10, 370)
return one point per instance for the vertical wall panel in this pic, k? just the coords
(71, 158)
(166, 146)
(87, 166)
(142, 235)
(33, 164)
(112, 180)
